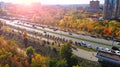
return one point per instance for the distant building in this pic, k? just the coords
(2, 5)
(111, 9)
(94, 6)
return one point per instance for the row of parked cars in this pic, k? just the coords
(113, 50)
(84, 44)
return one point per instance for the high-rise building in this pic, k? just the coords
(111, 9)
(2, 5)
(94, 6)
(117, 11)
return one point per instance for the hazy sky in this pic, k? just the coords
(51, 1)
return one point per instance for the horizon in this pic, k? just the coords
(50, 2)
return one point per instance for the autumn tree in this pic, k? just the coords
(30, 52)
(25, 39)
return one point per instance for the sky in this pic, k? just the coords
(51, 1)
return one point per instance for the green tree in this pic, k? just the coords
(76, 66)
(52, 62)
(66, 51)
(30, 52)
(61, 63)
(75, 59)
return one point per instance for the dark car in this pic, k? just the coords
(70, 33)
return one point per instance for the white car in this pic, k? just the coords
(89, 45)
(118, 43)
(101, 48)
(117, 52)
(107, 50)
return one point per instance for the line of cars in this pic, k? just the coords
(83, 43)
(114, 50)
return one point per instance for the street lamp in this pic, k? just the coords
(113, 38)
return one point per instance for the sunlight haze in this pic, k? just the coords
(27, 2)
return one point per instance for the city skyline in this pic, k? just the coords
(51, 1)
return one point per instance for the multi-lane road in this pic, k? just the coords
(61, 34)
(32, 27)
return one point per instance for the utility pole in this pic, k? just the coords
(113, 38)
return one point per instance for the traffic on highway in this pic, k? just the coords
(64, 35)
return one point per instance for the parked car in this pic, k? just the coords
(70, 33)
(96, 48)
(83, 43)
(117, 52)
(89, 45)
(101, 49)
(118, 43)
(107, 50)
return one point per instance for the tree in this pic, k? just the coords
(61, 63)
(65, 51)
(25, 39)
(30, 52)
(52, 62)
(39, 60)
(4, 55)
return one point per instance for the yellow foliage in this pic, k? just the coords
(118, 32)
(39, 59)
(5, 28)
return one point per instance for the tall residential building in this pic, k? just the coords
(111, 9)
(117, 11)
(94, 6)
(2, 5)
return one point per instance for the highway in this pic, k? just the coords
(58, 33)
(80, 53)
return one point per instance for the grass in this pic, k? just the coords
(87, 49)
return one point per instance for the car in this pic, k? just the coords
(118, 43)
(83, 43)
(89, 45)
(96, 48)
(55, 29)
(44, 31)
(101, 49)
(107, 50)
(93, 36)
(113, 51)
(70, 33)
(117, 52)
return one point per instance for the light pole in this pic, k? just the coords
(113, 38)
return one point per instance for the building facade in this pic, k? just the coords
(94, 6)
(111, 9)
(2, 5)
